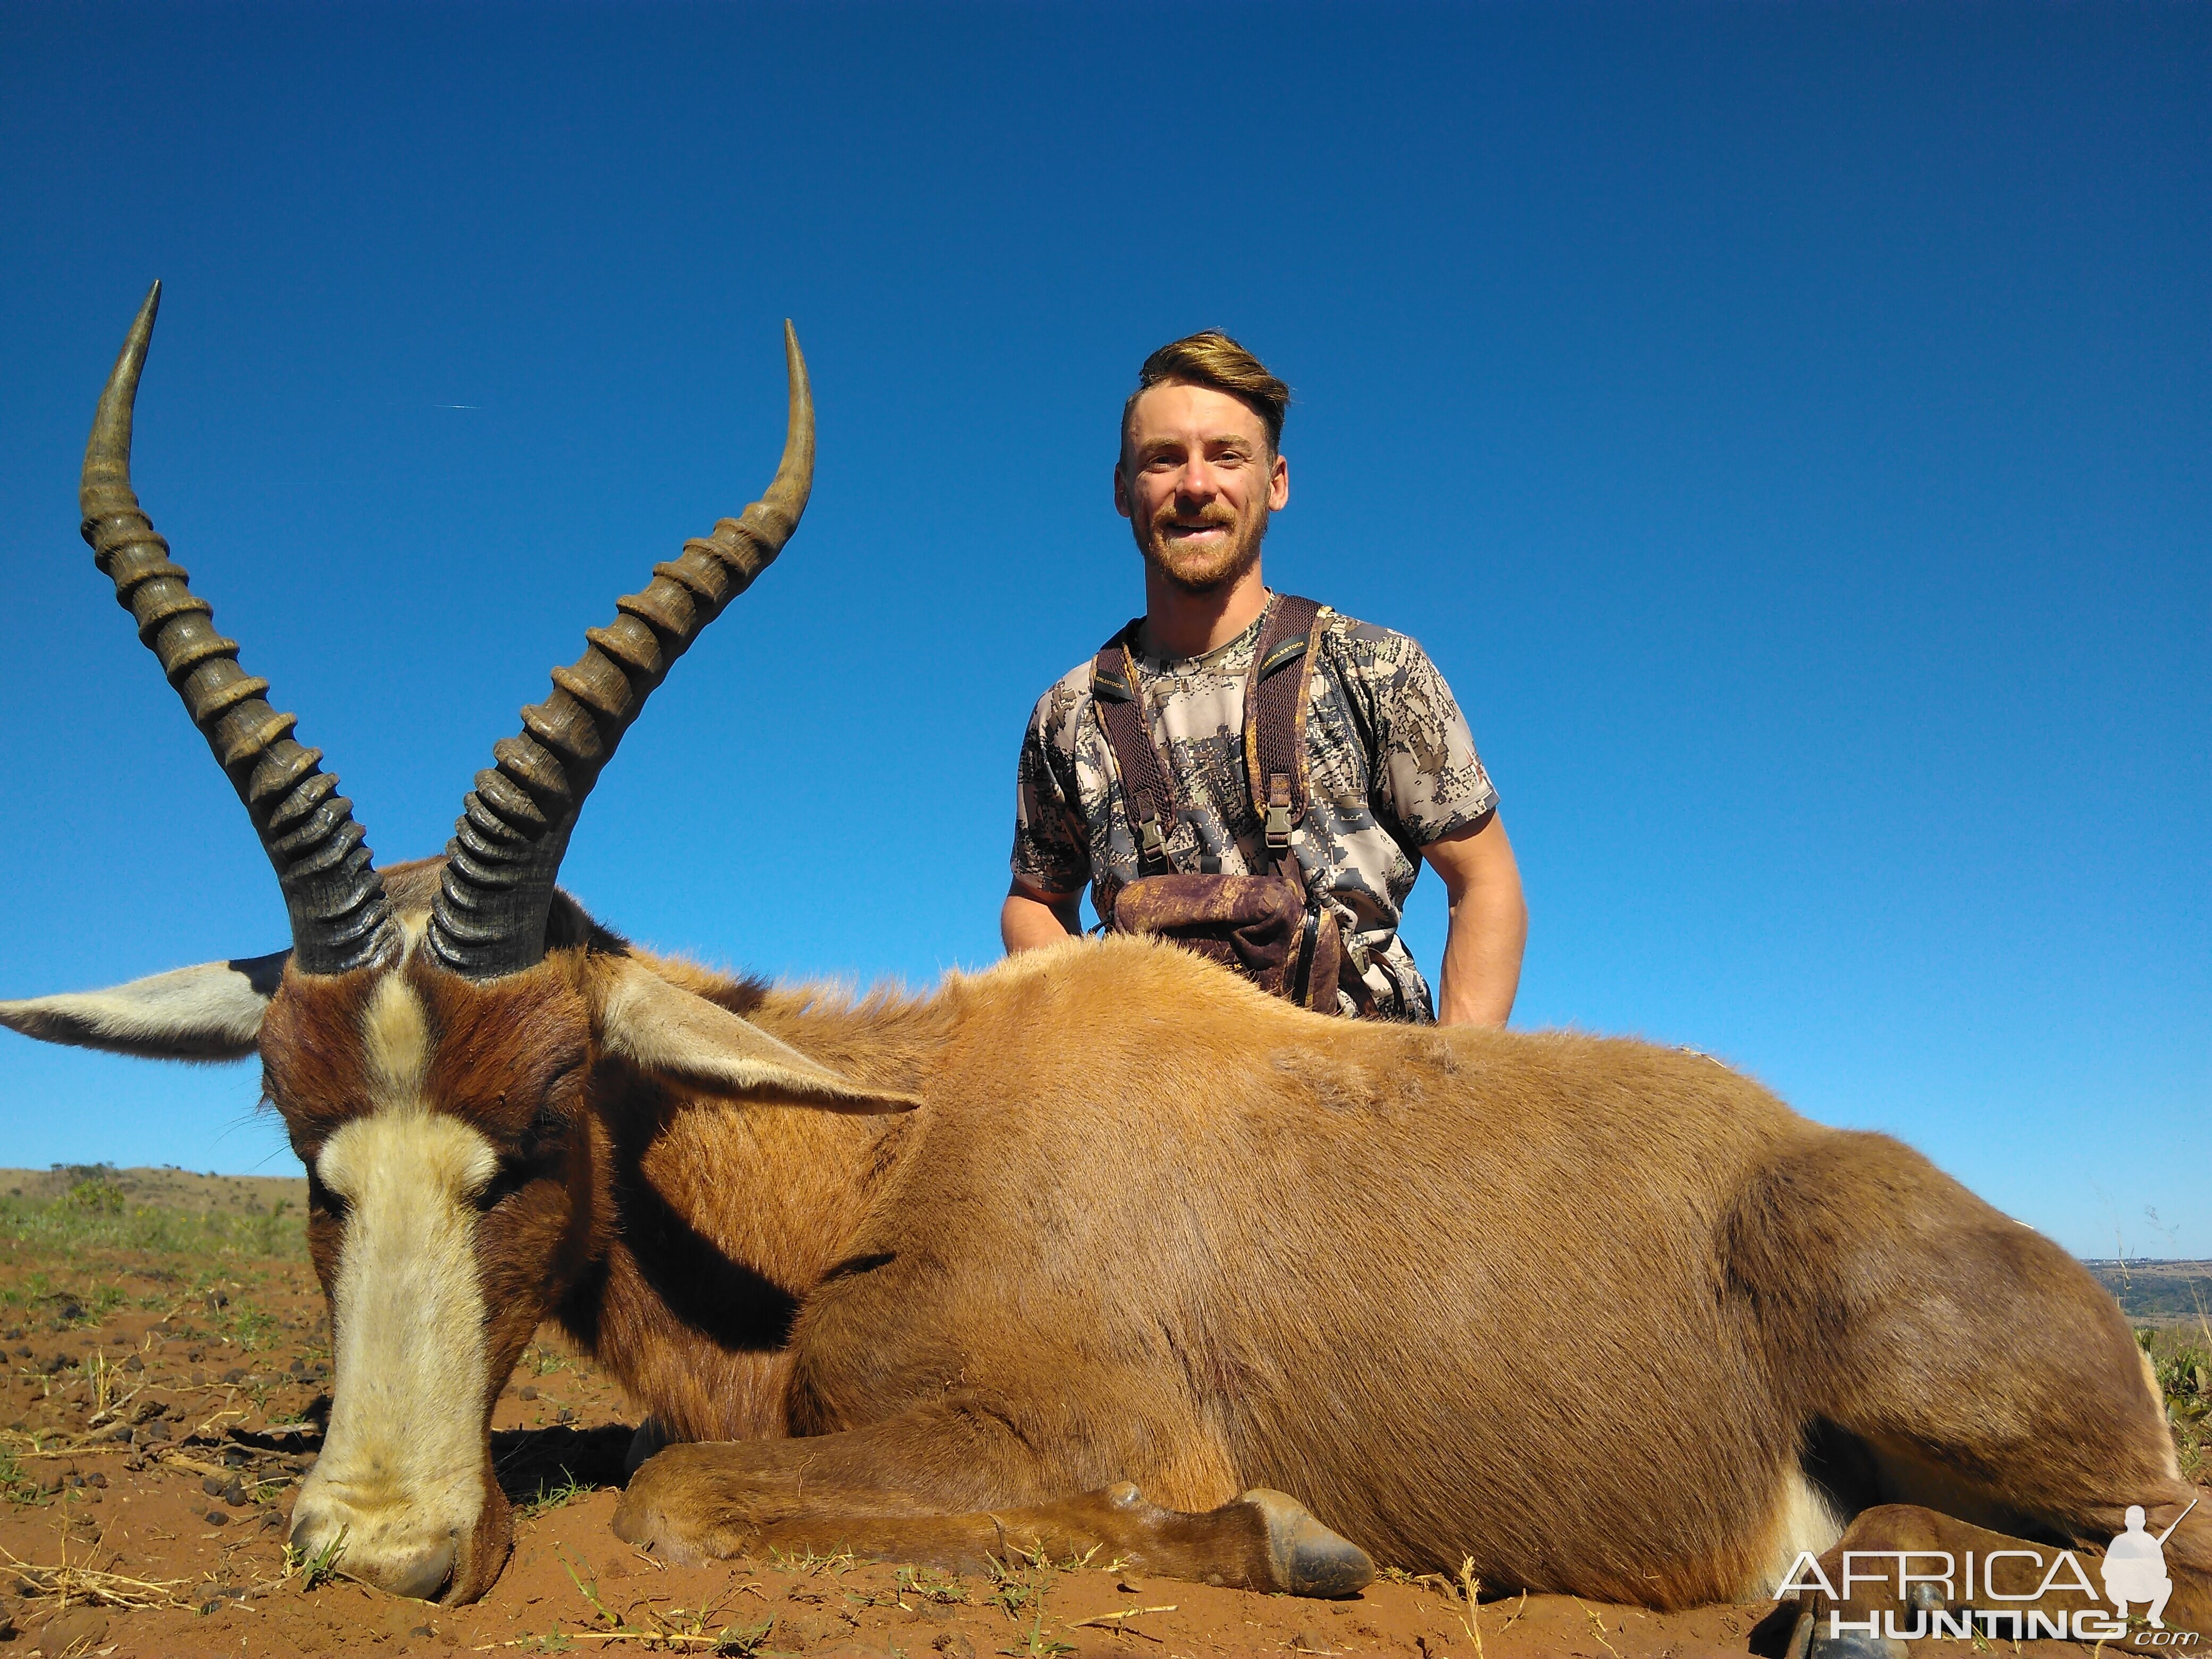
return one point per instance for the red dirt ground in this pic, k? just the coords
(161, 1405)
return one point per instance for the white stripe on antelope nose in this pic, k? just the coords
(402, 1470)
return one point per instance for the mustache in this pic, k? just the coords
(1168, 516)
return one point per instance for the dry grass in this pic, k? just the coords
(1471, 1592)
(80, 1583)
(1119, 1620)
(1465, 1596)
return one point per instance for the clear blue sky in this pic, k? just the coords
(1787, 427)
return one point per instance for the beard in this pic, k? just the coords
(1203, 568)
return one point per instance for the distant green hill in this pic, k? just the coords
(2157, 1290)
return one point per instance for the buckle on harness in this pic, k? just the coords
(1154, 841)
(1278, 811)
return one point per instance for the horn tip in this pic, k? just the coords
(133, 355)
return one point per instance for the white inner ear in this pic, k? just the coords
(660, 1027)
(209, 1012)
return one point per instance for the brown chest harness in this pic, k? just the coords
(1266, 926)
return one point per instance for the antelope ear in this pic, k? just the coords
(210, 1011)
(663, 1029)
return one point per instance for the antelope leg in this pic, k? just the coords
(696, 1502)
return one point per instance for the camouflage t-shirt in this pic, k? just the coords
(1390, 767)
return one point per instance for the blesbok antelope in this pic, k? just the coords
(1099, 1246)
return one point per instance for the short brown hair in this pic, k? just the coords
(1210, 358)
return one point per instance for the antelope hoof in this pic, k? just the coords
(664, 1507)
(1305, 1556)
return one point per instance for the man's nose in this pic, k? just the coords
(1196, 484)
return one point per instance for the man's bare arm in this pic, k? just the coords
(1028, 921)
(1489, 925)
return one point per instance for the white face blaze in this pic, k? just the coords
(401, 1466)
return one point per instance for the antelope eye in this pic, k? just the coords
(543, 1135)
(514, 1175)
(534, 1151)
(324, 1198)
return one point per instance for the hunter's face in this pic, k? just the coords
(1196, 481)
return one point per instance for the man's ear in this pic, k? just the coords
(663, 1029)
(211, 1011)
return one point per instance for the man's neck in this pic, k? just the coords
(1180, 623)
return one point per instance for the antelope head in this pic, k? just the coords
(431, 1035)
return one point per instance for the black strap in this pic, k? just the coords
(1146, 779)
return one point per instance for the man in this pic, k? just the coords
(1391, 771)
(2134, 1566)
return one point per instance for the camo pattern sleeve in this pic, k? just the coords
(1390, 767)
(1427, 777)
(1052, 843)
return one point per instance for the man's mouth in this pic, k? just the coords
(1186, 532)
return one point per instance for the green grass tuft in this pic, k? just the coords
(553, 1495)
(2181, 1358)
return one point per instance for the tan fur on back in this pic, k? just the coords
(1550, 1299)
(1170, 1164)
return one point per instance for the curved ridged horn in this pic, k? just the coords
(331, 887)
(497, 888)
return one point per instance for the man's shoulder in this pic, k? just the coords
(1061, 706)
(1072, 688)
(1367, 649)
(1335, 625)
